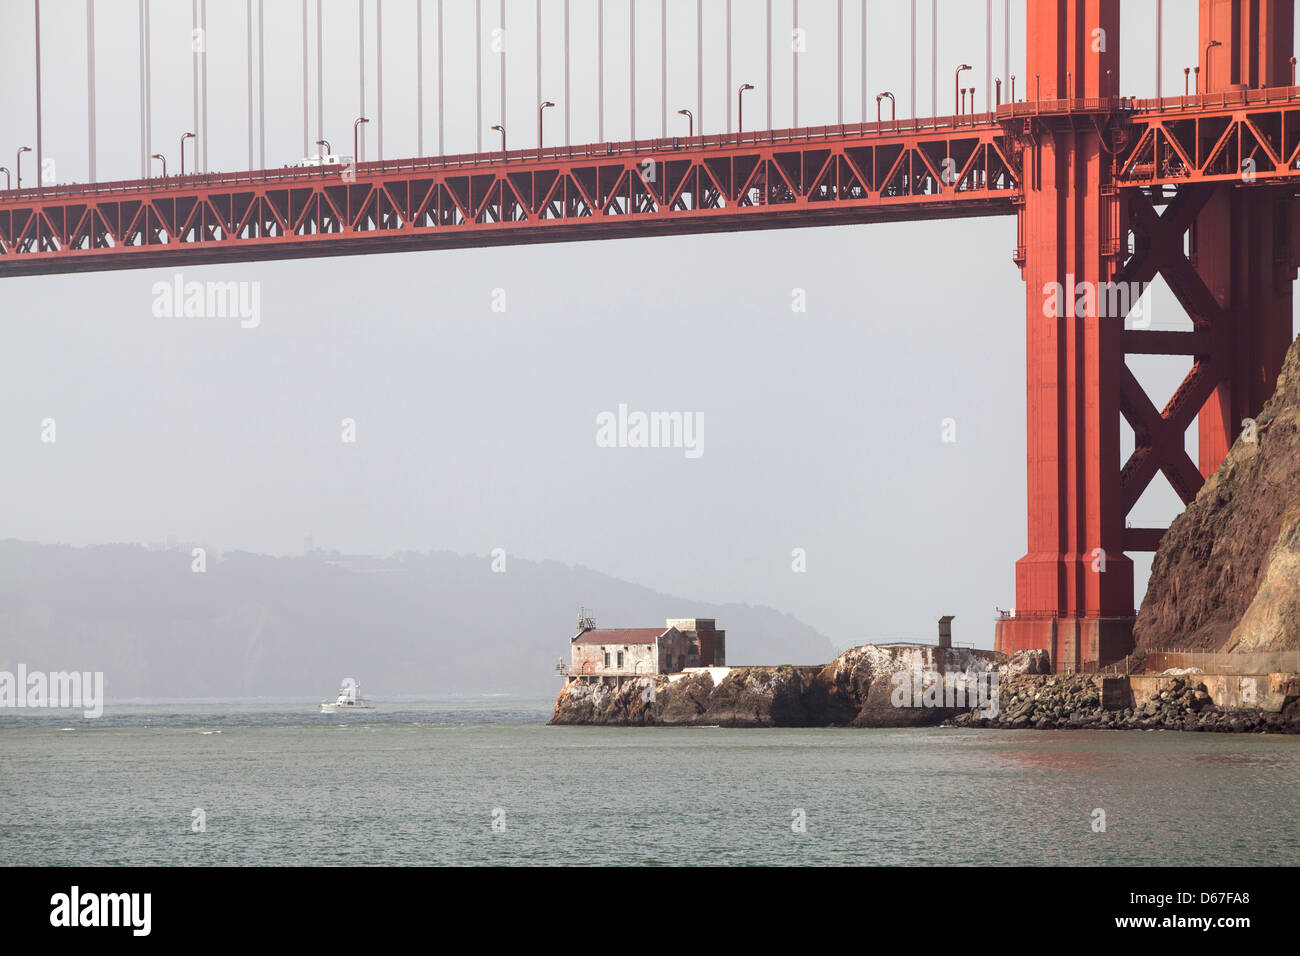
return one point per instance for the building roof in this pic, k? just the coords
(621, 635)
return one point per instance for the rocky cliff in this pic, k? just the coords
(1227, 575)
(867, 686)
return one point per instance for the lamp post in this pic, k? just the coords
(690, 119)
(1187, 73)
(326, 144)
(1012, 98)
(1208, 47)
(956, 82)
(740, 106)
(893, 118)
(163, 159)
(355, 127)
(184, 137)
(502, 130)
(18, 164)
(542, 106)
(1196, 85)
(997, 95)
(8, 182)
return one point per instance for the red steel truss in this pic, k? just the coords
(774, 179)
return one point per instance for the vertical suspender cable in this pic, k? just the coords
(194, 70)
(144, 169)
(248, 17)
(537, 89)
(320, 75)
(699, 66)
(731, 78)
(863, 61)
(767, 81)
(261, 83)
(839, 62)
(934, 56)
(90, 85)
(795, 57)
(40, 162)
(478, 75)
(912, 59)
(502, 53)
(379, 79)
(442, 146)
(663, 68)
(568, 112)
(631, 69)
(1006, 43)
(419, 77)
(988, 58)
(600, 70)
(361, 74)
(148, 81)
(1160, 16)
(305, 121)
(203, 82)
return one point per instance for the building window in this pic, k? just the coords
(620, 660)
(668, 662)
(607, 658)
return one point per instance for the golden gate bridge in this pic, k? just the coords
(1107, 190)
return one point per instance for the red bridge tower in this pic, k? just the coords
(1232, 275)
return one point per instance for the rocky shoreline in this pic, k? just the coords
(1035, 702)
(871, 686)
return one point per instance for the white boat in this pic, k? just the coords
(349, 699)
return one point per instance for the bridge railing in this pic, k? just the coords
(1090, 104)
(1222, 99)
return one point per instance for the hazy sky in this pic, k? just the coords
(476, 429)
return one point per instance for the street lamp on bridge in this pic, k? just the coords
(18, 164)
(8, 182)
(956, 83)
(163, 159)
(502, 130)
(740, 106)
(184, 137)
(690, 119)
(1208, 47)
(542, 106)
(355, 127)
(892, 106)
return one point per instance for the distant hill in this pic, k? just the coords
(253, 625)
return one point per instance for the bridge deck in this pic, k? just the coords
(771, 179)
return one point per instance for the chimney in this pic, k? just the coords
(945, 630)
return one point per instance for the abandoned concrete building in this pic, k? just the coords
(682, 643)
